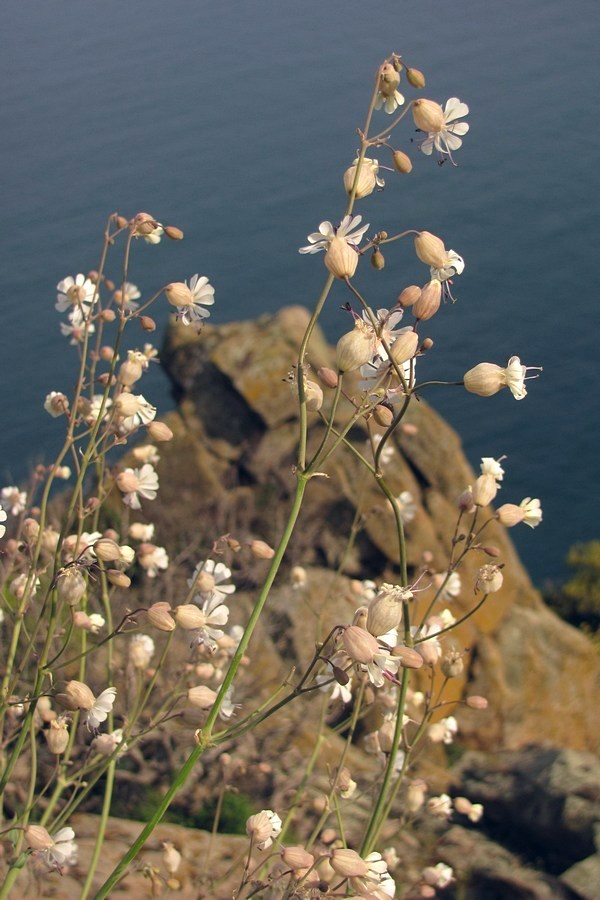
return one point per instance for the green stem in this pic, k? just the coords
(108, 792)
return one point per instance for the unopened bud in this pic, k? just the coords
(176, 234)
(409, 658)
(409, 296)
(106, 353)
(340, 676)
(106, 378)
(426, 345)
(118, 578)
(121, 222)
(147, 323)
(465, 501)
(327, 377)
(233, 544)
(415, 78)
(110, 285)
(428, 115)
(341, 259)
(429, 302)
(159, 431)
(404, 347)
(377, 260)
(383, 415)
(492, 551)
(108, 315)
(477, 702)
(402, 162)
(261, 550)
(159, 615)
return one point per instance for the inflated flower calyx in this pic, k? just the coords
(383, 415)
(159, 615)
(354, 349)
(118, 578)
(130, 372)
(359, 644)
(484, 379)
(77, 695)
(38, 838)
(70, 586)
(179, 294)
(176, 234)
(341, 259)
(484, 490)
(408, 656)
(190, 617)
(428, 115)
(158, 431)
(389, 79)
(385, 612)
(367, 179)
(431, 250)
(489, 579)
(402, 162)
(202, 697)
(348, 863)
(313, 395)
(261, 550)
(57, 736)
(429, 302)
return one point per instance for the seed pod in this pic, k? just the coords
(354, 349)
(377, 260)
(383, 415)
(57, 736)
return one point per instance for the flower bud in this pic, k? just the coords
(38, 838)
(489, 579)
(107, 550)
(176, 234)
(429, 302)
(261, 550)
(121, 222)
(341, 259)
(359, 644)
(106, 378)
(31, 530)
(57, 736)
(383, 415)
(492, 551)
(297, 858)
(348, 864)
(189, 616)
(77, 695)
(408, 656)
(430, 249)
(70, 586)
(179, 294)
(409, 296)
(367, 180)
(159, 615)
(484, 379)
(404, 347)
(327, 377)
(147, 323)
(202, 696)
(477, 702)
(377, 260)
(465, 501)
(106, 354)
(118, 578)
(385, 611)
(428, 115)
(415, 78)
(415, 796)
(484, 490)
(402, 162)
(510, 514)
(158, 431)
(354, 349)
(108, 315)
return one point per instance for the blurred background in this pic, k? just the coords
(236, 121)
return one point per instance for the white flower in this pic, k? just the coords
(76, 330)
(18, 585)
(374, 876)
(56, 404)
(386, 329)
(139, 531)
(228, 707)
(263, 827)
(440, 806)
(190, 304)
(443, 731)
(447, 138)
(106, 744)
(491, 466)
(14, 498)
(533, 511)
(217, 574)
(439, 876)
(454, 265)
(130, 294)
(338, 691)
(143, 414)
(141, 650)
(446, 618)
(406, 506)
(136, 483)
(451, 588)
(146, 453)
(152, 558)
(63, 852)
(91, 409)
(101, 708)
(320, 240)
(515, 375)
(75, 293)
(380, 381)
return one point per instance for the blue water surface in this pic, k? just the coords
(236, 121)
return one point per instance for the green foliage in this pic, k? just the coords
(235, 810)
(578, 600)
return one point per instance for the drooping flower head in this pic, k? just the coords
(190, 302)
(446, 138)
